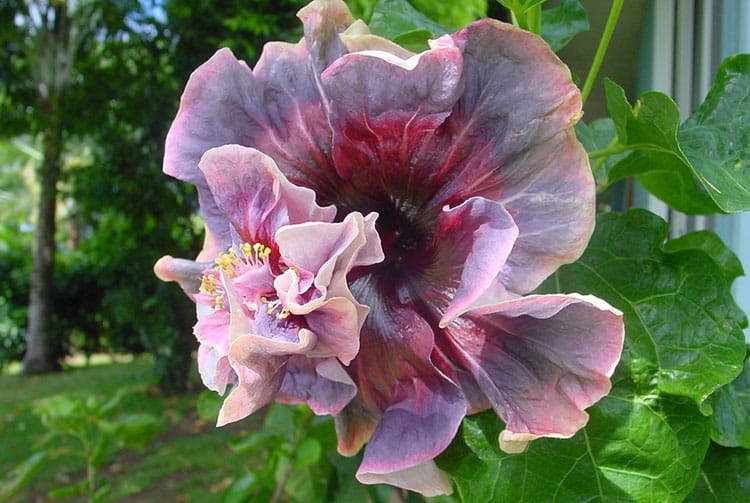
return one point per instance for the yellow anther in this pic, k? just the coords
(284, 313)
(209, 285)
(218, 302)
(247, 250)
(227, 261)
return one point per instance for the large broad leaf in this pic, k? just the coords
(660, 164)
(562, 23)
(724, 477)
(730, 422)
(716, 138)
(682, 327)
(633, 449)
(701, 166)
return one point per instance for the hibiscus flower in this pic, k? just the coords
(399, 323)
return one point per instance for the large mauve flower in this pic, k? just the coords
(465, 161)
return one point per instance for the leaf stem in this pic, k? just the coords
(534, 19)
(609, 29)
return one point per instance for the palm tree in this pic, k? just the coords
(56, 30)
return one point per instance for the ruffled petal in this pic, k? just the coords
(321, 383)
(424, 414)
(415, 403)
(540, 360)
(255, 196)
(382, 109)
(510, 139)
(220, 105)
(425, 478)
(259, 364)
(330, 250)
(214, 369)
(517, 95)
(474, 241)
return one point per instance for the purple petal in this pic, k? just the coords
(475, 238)
(424, 414)
(420, 407)
(540, 359)
(383, 108)
(425, 478)
(255, 196)
(259, 364)
(330, 250)
(220, 105)
(336, 324)
(518, 94)
(187, 273)
(510, 139)
(321, 383)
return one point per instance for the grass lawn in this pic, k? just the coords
(189, 461)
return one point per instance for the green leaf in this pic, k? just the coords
(562, 23)
(61, 413)
(415, 40)
(133, 430)
(595, 136)
(208, 405)
(21, 474)
(730, 422)
(723, 476)
(716, 138)
(242, 489)
(394, 18)
(255, 441)
(307, 452)
(714, 247)
(682, 329)
(634, 448)
(650, 128)
(701, 166)
(77, 489)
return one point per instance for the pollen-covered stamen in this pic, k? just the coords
(275, 307)
(231, 263)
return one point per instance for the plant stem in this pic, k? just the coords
(302, 431)
(534, 19)
(609, 28)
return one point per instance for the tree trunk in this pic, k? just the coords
(43, 348)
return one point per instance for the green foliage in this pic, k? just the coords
(683, 327)
(399, 21)
(633, 449)
(301, 462)
(730, 421)
(560, 24)
(98, 436)
(723, 476)
(699, 166)
(21, 475)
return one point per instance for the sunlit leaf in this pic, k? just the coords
(635, 448)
